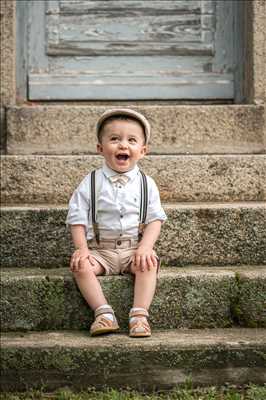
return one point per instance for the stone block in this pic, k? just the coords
(250, 308)
(49, 299)
(259, 51)
(176, 129)
(52, 179)
(72, 359)
(8, 53)
(2, 131)
(207, 234)
(220, 234)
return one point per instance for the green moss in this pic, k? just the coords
(115, 358)
(35, 301)
(194, 301)
(249, 306)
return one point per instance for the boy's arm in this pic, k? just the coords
(78, 234)
(144, 256)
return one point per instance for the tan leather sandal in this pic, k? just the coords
(139, 327)
(102, 324)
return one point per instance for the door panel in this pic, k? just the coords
(133, 28)
(130, 50)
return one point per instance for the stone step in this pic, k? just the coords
(191, 297)
(178, 129)
(52, 179)
(50, 360)
(193, 234)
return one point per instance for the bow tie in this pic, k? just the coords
(123, 179)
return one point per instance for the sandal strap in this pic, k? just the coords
(101, 311)
(139, 324)
(103, 325)
(139, 328)
(103, 322)
(139, 313)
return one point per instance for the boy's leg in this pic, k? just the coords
(86, 278)
(89, 286)
(144, 288)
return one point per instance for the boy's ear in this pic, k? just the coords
(99, 148)
(145, 150)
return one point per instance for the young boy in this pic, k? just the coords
(107, 235)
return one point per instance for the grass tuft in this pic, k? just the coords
(249, 392)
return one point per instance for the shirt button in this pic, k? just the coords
(121, 216)
(119, 242)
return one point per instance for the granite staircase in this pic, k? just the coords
(209, 311)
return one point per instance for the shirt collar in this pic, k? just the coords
(110, 172)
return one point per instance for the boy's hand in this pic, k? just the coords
(78, 256)
(144, 258)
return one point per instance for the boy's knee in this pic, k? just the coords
(85, 269)
(147, 271)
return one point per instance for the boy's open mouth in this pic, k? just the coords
(122, 157)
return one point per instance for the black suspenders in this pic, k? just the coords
(93, 208)
(143, 206)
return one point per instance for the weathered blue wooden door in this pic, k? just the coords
(93, 49)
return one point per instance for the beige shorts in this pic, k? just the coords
(115, 255)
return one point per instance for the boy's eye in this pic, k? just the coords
(114, 138)
(133, 140)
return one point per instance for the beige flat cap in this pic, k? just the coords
(128, 112)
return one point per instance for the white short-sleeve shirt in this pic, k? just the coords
(118, 205)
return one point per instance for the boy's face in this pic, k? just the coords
(122, 144)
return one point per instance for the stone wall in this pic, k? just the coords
(8, 52)
(259, 51)
(8, 63)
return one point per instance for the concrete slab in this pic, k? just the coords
(207, 357)
(52, 179)
(176, 129)
(8, 53)
(34, 299)
(251, 305)
(193, 234)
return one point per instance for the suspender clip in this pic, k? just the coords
(96, 232)
(141, 230)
